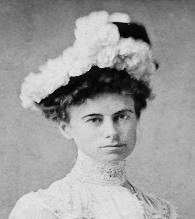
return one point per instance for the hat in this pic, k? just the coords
(101, 40)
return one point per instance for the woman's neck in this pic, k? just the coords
(89, 171)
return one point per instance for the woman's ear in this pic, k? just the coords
(65, 130)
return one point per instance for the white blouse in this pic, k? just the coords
(92, 191)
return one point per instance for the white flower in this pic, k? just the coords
(80, 66)
(38, 86)
(106, 56)
(119, 17)
(96, 33)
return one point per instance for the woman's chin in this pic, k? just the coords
(116, 155)
(113, 158)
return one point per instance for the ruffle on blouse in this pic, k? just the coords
(89, 201)
(156, 207)
(66, 200)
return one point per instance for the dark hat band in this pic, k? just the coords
(134, 30)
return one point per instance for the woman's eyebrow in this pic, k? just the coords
(124, 111)
(97, 114)
(90, 115)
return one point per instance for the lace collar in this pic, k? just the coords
(87, 170)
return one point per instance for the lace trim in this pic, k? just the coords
(156, 207)
(88, 171)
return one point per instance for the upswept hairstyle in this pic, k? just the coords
(96, 81)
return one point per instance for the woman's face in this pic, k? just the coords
(104, 127)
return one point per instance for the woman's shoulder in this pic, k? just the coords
(29, 206)
(43, 203)
(57, 196)
(155, 206)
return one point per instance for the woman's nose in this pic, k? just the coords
(110, 130)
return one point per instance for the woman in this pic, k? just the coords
(96, 91)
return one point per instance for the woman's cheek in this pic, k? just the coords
(86, 133)
(128, 131)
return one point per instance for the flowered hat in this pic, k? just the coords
(101, 40)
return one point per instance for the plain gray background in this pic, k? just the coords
(32, 151)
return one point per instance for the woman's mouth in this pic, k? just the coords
(114, 146)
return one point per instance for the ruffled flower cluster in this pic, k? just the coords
(97, 43)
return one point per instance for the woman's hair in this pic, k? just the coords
(96, 81)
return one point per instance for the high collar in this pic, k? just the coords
(87, 170)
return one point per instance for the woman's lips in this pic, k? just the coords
(114, 146)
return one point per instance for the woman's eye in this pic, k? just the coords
(122, 117)
(94, 120)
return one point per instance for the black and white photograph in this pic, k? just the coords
(97, 109)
